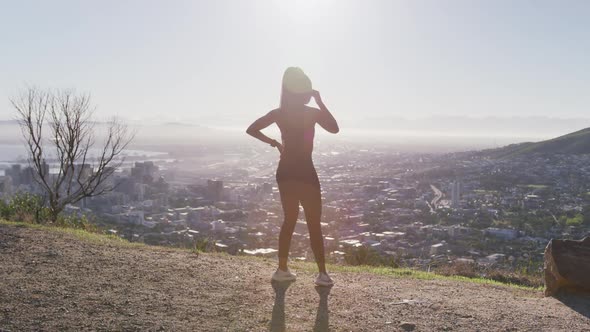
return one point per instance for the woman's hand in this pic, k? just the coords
(275, 144)
(325, 118)
(280, 147)
(316, 96)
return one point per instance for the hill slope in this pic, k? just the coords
(55, 281)
(574, 143)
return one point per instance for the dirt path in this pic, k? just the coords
(52, 281)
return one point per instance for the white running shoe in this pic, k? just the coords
(324, 279)
(281, 275)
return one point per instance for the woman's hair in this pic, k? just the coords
(296, 87)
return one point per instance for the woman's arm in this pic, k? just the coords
(255, 130)
(325, 118)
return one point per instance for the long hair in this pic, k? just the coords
(296, 87)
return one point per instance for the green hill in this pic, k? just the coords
(574, 143)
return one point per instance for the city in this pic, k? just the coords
(420, 210)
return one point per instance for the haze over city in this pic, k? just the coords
(459, 68)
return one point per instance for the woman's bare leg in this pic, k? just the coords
(312, 205)
(290, 202)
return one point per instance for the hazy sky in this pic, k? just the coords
(211, 60)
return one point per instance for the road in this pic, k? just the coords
(438, 195)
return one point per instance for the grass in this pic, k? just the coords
(107, 239)
(95, 238)
(407, 273)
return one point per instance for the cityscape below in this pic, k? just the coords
(417, 209)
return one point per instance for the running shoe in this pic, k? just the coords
(281, 275)
(324, 279)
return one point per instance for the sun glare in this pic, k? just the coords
(305, 11)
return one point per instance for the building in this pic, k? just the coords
(438, 249)
(144, 171)
(455, 194)
(5, 186)
(215, 190)
(501, 233)
(22, 176)
(140, 191)
(14, 172)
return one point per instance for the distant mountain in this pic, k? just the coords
(533, 127)
(574, 143)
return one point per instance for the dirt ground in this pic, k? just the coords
(51, 281)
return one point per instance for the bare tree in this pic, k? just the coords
(57, 126)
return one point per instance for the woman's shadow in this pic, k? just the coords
(277, 322)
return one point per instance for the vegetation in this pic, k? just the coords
(409, 273)
(203, 245)
(58, 126)
(96, 238)
(24, 207)
(574, 143)
(29, 208)
(364, 255)
(529, 276)
(576, 220)
(82, 234)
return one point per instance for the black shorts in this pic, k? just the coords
(299, 171)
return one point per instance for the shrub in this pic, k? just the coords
(30, 208)
(517, 278)
(577, 220)
(25, 207)
(203, 244)
(529, 275)
(76, 222)
(364, 255)
(4, 210)
(464, 269)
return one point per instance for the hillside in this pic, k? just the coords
(58, 280)
(574, 143)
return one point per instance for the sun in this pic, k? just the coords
(304, 11)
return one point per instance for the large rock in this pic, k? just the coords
(567, 266)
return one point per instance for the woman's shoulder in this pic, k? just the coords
(274, 112)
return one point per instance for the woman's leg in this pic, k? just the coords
(290, 202)
(312, 205)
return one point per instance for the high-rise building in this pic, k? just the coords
(45, 169)
(85, 171)
(455, 193)
(15, 173)
(144, 171)
(5, 185)
(25, 175)
(140, 191)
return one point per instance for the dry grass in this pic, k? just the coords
(471, 270)
(458, 271)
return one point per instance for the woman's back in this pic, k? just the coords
(297, 131)
(296, 176)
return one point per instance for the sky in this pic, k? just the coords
(221, 61)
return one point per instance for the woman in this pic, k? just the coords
(296, 176)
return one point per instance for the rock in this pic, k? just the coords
(567, 266)
(53, 253)
(407, 326)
